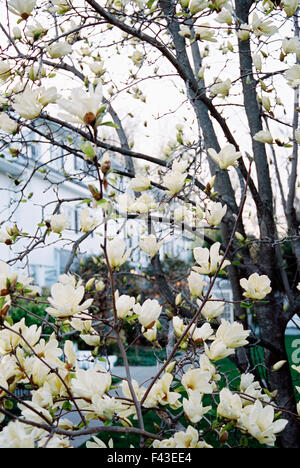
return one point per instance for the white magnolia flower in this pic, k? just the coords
(259, 422)
(278, 365)
(139, 184)
(48, 96)
(292, 75)
(151, 334)
(197, 5)
(124, 305)
(91, 340)
(150, 245)
(98, 443)
(243, 32)
(262, 27)
(59, 49)
(290, 6)
(86, 221)
(225, 16)
(60, 6)
(230, 406)
(65, 301)
(209, 259)
(89, 383)
(197, 380)
(193, 407)
(178, 326)
(14, 435)
(221, 88)
(83, 106)
(17, 32)
(142, 204)
(97, 67)
(59, 222)
(174, 181)
(35, 30)
(263, 136)
(212, 309)
(160, 393)
(5, 70)
(256, 286)
(196, 284)
(291, 46)
(205, 32)
(226, 157)
(203, 333)
(257, 61)
(233, 334)
(148, 313)
(21, 8)
(7, 124)
(214, 213)
(27, 103)
(117, 253)
(185, 31)
(217, 350)
(137, 57)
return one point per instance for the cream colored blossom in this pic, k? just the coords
(213, 308)
(14, 435)
(196, 284)
(243, 32)
(214, 213)
(59, 49)
(197, 380)
(21, 8)
(228, 156)
(290, 6)
(5, 70)
(83, 106)
(218, 350)
(7, 124)
(205, 32)
(262, 26)
(86, 221)
(148, 313)
(292, 75)
(197, 5)
(233, 334)
(259, 422)
(97, 443)
(91, 382)
(59, 223)
(230, 405)
(124, 305)
(205, 332)
(117, 253)
(27, 104)
(221, 88)
(193, 407)
(263, 136)
(139, 184)
(65, 301)
(209, 259)
(150, 245)
(174, 181)
(256, 287)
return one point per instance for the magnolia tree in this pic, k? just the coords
(73, 73)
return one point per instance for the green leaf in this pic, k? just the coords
(150, 3)
(109, 124)
(67, 406)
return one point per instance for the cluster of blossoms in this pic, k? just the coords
(57, 382)
(47, 365)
